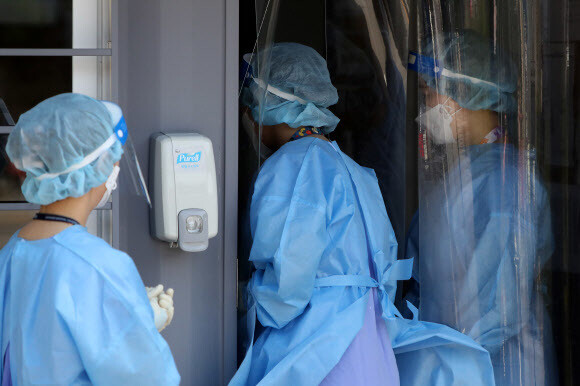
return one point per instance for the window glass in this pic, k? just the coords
(54, 23)
(27, 81)
(10, 178)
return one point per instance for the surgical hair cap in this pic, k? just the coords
(299, 90)
(468, 54)
(54, 138)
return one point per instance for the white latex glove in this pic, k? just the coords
(162, 305)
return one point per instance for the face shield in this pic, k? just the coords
(250, 80)
(129, 161)
(251, 128)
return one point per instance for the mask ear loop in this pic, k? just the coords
(111, 182)
(456, 111)
(447, 106)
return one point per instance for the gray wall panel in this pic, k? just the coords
(172, 60)
(231, 186)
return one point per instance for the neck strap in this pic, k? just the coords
(55, 217)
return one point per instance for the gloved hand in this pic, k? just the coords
(162, 305)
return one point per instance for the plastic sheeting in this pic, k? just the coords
(491, 210)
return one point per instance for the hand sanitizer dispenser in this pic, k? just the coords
(184, 190)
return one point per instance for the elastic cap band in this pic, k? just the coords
(279, 93)
(86, 161)
(120, 133)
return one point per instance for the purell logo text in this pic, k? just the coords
(189, 158)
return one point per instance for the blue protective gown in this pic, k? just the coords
(317, 220)
(75, 312)
(480, 239)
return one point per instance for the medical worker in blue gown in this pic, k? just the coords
(324, 252)
(482, 233)
(74, 310)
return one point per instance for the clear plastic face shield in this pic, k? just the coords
(365, 49)
(129, 162)
(255, 79)
(253, 129)
(255, 84)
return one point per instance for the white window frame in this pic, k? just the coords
(94, 74)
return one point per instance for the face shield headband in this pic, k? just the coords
(248, 76)
(432, 67)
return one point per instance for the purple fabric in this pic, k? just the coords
(6, 375)
(369, 360)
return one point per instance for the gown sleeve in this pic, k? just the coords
(496, 263)
(113, 326)
(509, 255)
(289, 226)
(490, 314)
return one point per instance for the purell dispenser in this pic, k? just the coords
(184, 190)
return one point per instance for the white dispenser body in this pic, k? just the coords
(184, 190)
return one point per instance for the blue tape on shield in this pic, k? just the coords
(424, 65)
(121, 131)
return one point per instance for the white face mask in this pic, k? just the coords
(437, 120)
(110, 185)
(248, 125)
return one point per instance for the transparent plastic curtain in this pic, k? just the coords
(495, 123)
(258, 21)
(559, 151)
(482, 188)
(254, 74)
(365, 44)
